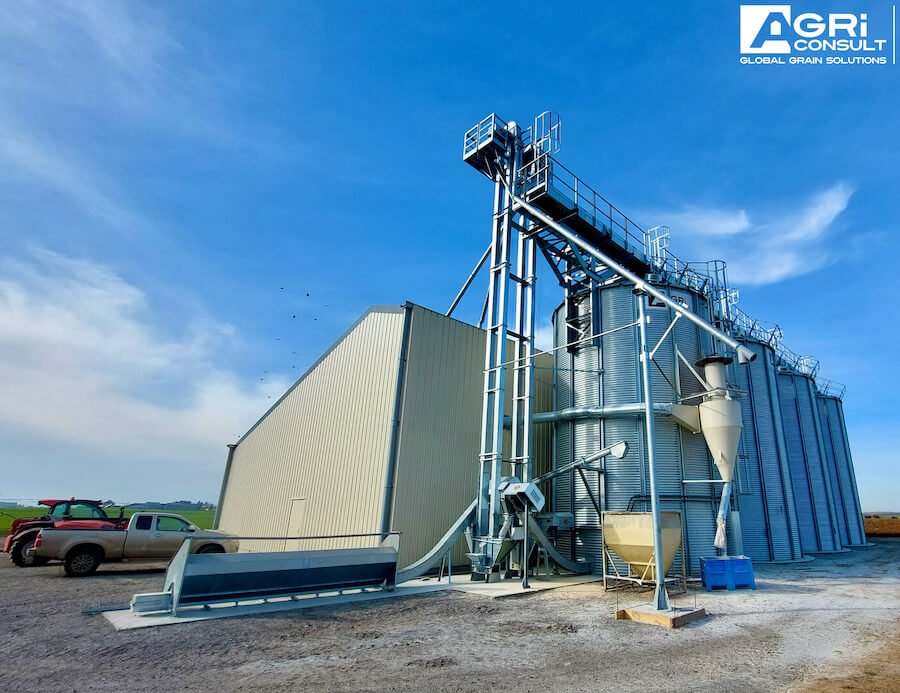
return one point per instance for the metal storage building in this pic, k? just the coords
(381, 433)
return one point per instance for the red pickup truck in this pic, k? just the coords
(71, 513)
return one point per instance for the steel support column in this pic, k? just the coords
(488, 513)
(660, 596)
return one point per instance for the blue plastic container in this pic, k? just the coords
(730, 572)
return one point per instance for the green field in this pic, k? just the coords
(202, 518)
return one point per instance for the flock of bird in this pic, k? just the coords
(294, 354)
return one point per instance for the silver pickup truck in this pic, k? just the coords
(148, 537)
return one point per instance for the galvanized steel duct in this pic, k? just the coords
(609, 411)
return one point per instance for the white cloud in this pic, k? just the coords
(84, 364)
(709, 222)
(782, 245)
(67, 69)
(67, 175)
(86, 81)
(543, 336)
(89, 54)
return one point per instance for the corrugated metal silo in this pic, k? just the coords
(843, 477)
(765, 495)
(812, 486)
(606, 374)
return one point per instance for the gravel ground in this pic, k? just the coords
(832, 622)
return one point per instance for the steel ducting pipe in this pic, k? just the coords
(609, 411)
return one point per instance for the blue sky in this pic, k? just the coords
(166, 168)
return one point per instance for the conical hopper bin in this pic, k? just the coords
(630, 537)
(720, 421)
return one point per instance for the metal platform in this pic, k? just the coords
(555, 190)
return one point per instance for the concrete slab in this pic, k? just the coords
(508, 588)
(125, 620)
(673, 618)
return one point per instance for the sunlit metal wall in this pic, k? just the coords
(440, 429)
(315, 463)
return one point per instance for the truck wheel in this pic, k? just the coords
(19, 555)
(211, 548)
(81, 562)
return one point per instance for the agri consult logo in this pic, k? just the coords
(782, 35)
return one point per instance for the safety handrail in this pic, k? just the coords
(831, 388)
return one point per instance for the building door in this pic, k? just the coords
(296, 525)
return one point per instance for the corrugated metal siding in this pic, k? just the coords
(783, 468)
(326, 441)
(440, 429)
(808, 473)
(608, 375)
(821, 484)
(543, 401)
(844, 463)
(749, 486)
(837, 494)
(625, 478)
(700, 514)
(765, 496)
(561, 491)
(437, 471)
(803, 497)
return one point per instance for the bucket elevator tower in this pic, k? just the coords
(541, 207)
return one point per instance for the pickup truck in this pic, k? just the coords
(148, 537)
(70, 513)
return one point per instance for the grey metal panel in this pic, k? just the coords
(833, 474)
(771, 374)
(808, 474)
(844, 463)
(822, 498)
(624, 478)
(563, 431)
(803, 497)
(748, 474)
(810, 396)
(765, 496)
(437, 459)
(439, 434)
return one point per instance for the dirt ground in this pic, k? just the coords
(830, 624)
